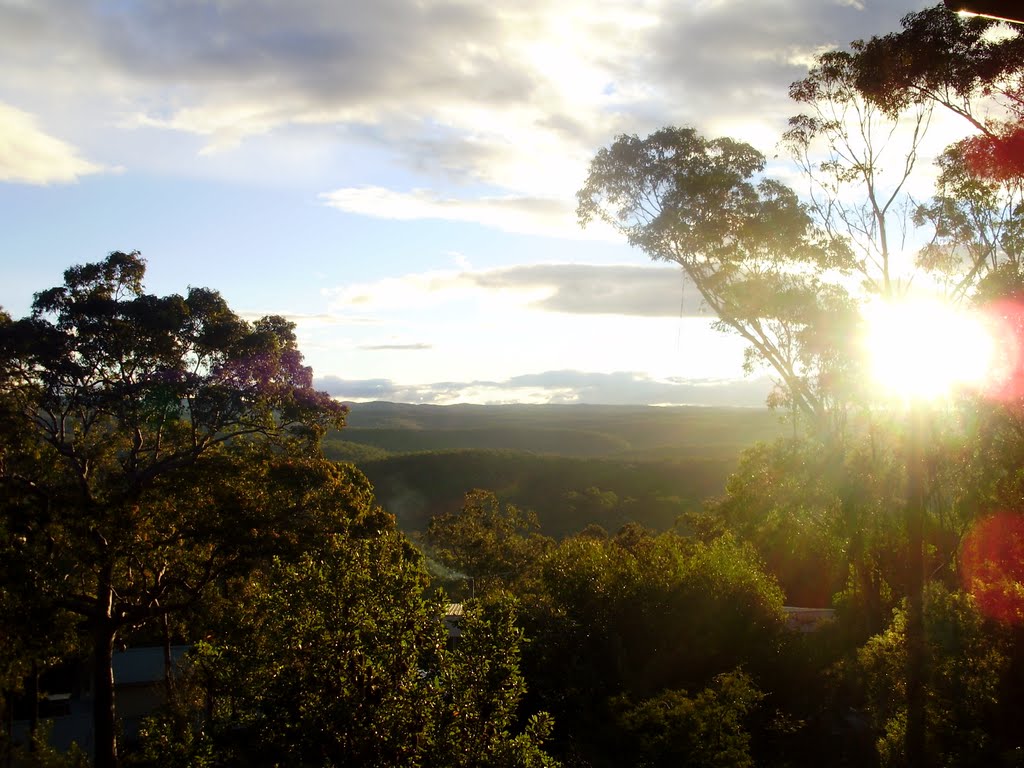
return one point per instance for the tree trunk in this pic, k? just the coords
(103, 715)
(916, 734)
(33, 703)
(869, 587)
(168, 660)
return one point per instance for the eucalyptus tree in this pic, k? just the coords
(967, 241)
(747, 243)
(858, 162)
(787, 272)
(860, 140)
(972, 67)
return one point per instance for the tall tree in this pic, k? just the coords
(856, 103)
(973, 67)
(139, 420)
(857, 160)
(746, 242)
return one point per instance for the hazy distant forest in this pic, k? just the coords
(170, 476)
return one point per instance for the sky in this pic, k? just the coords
(397, 177)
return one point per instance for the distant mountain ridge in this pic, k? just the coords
(584, 431)
(574, 465)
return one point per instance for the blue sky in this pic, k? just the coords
(396, 176)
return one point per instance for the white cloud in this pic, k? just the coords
(414, 292)
(589, 289)
(460, 260)
(580, 289)
(28, 155)
(305, 321)
(487, 322)
(509, 213)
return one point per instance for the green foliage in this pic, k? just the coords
(39, 754)
(592, 503)
(168, 740)
(482, 686)
(577, 430)
(636, 615)
(492, 543)
(966, 660)
(137, 427)
(349, 451)
(705, 730)
(783, 499)
(976, 224)
(822, 517)
(535, 438)
(324, 661)
(416, 487)
(340, 658)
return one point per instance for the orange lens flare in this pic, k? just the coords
(1005, 382)
(992, 566)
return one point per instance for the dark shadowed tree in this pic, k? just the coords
(970, 66)
(651, 621)
(967, 662)
(705, 730)
(143, 424)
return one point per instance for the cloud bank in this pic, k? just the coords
(506, 101)
(565, 386)
(509, 213)
(587, 289)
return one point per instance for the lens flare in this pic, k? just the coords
(992, 566)
(1005, 319)
(925, 349)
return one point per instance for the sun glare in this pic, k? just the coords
(926, 349)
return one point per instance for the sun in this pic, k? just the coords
(925, 349)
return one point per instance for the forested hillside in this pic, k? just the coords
(565, 430)
(572, 465)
